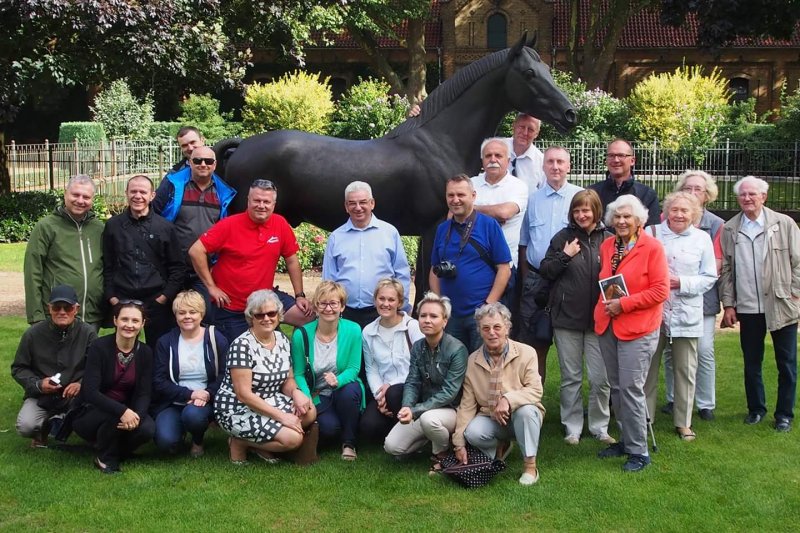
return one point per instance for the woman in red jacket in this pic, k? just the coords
(634, 283)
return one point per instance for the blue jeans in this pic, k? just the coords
(230, 323)
(174, 421)
(784, 340)
(465, 329)
(338, 414)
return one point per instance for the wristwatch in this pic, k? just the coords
(300, 294)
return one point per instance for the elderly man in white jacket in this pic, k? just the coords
(692, 271)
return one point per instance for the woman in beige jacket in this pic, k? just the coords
(502, 395)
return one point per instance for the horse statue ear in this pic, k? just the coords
(517, 48)
(532, 42)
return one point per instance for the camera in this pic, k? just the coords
(445, 270)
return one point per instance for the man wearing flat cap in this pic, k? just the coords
(49, 364)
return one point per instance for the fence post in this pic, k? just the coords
(727, 158)
(160, 159)
(583, 159)
(113, 157)
(75, 155)
(49, 148)
(795, 159)
(655, 155)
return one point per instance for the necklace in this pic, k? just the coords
(124, 357)
(269, 343)
(327, 339)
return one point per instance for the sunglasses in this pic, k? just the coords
(267, 185)
(62, 306)
(269, 314)
(204, 160)
(131, 302)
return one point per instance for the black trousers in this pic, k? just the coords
(374, 424)
(113, 445)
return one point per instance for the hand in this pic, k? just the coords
(674, 282)
(48, 387)
(404, 415)
(218, 296)
(161, 300)
(197, 402)
(414, 111)
(502, 411)
(128, 421)
(572, 248)
(729, 318)
(304, 305)
(331, 379)
(113, 301)
(613, 307)
(380, 396)
(201, 394)
(72, 390)
(292, 422)
(461, 454)
(302, 403)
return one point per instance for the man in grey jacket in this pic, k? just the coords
(760, 288)
(49, 364)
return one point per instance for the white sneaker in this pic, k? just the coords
(529, 479)
(572, 440)
(605, 438)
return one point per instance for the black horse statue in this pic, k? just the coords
(406, 168)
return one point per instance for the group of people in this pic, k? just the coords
(598, 271)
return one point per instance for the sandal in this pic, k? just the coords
(237, 462)
(349, 453)
(267, 457)
(686, 434)
(436, 466)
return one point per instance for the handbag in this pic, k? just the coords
(540, 326)
(479, 470)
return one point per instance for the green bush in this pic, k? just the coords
(202, 111)
(163, 131)
(685, 110)
(89, 132)
(122, 115)
(298, 101)
(410, 245)
(19, 211)
(311, 240)
(788, 123)
(367, 111)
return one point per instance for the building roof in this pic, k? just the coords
(645, 30)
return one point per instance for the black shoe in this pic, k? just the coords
(783, 425)
(753, 418)
(636, 463)
(106, 469)
(614, 450)
(706, 414)
(667, 409)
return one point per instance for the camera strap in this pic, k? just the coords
(465, 232)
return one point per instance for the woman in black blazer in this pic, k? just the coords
(116, 390)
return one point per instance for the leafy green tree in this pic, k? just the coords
(122, 115)
(367, 111)
(202, 111)
(299, 100)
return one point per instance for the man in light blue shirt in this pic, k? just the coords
(547, 214)
(363, 251)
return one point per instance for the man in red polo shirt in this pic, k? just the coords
(248, 247)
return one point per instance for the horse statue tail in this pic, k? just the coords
(224, 150)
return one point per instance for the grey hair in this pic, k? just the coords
(433, 298)
(357, 186)
(712, 191)
(257, 300)
(694, 204)
(80, 179)
(523, 115)
(493, 309)
(626, 200)
(760, 184)
(499, 140)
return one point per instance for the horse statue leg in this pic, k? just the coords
(424, 250)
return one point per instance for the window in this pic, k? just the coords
(740, 89)
(496, 32)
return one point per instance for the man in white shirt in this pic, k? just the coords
(526, 159)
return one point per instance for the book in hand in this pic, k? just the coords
(613, 287)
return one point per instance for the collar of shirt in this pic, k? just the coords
(482, 182)
(528, 153)
(549, 191)
(372, 224)
(757, 224)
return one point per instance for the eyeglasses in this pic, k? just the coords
(749, 194)
(269, 314)
(333, 305)
(693, 189)
(267, 185)
(618, 156)
(62, 306)
(204, 160)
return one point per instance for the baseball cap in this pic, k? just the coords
(63, 293)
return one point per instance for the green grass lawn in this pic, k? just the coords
(12, 256)
(733, 478)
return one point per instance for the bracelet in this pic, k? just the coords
(300, 294)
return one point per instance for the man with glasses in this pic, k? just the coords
(526, 159)
(66, 248)
(248, 246)
(194, 199)
(363, 251)
(760, 288)
(49, 364)
(620, 180)
(142, 259)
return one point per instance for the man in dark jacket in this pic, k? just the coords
(620, 180)
(49, 364)
(142, 259)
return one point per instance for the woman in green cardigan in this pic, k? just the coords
(326, 357)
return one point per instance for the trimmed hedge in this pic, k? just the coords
(81, 132)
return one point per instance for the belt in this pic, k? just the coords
(531, 267)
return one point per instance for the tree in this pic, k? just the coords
(594, 30)
(722, 21)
